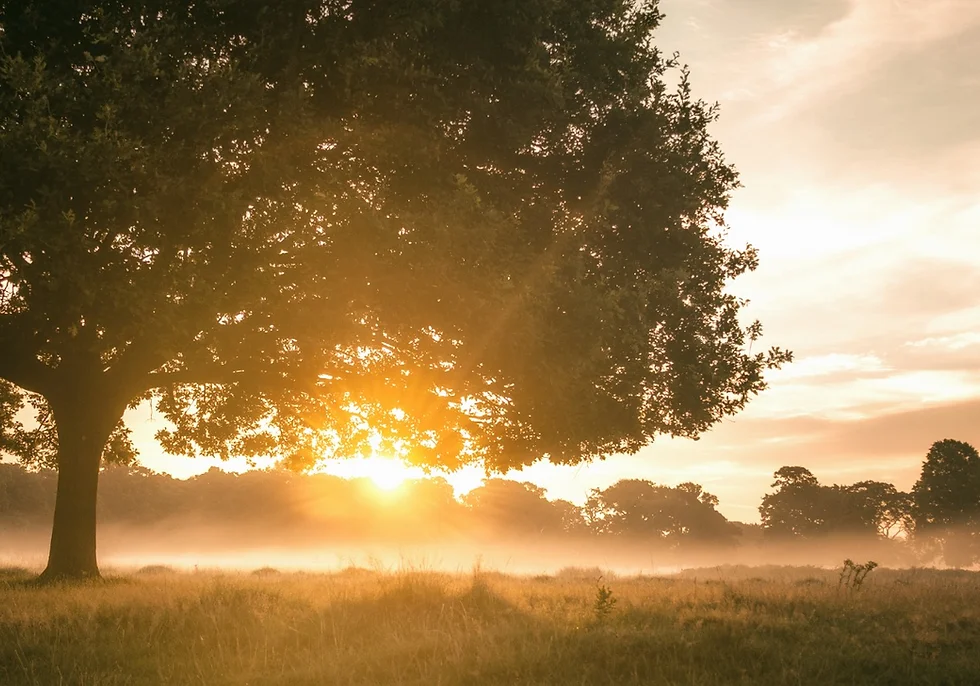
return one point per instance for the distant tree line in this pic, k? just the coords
(939, 518)
(285, 503)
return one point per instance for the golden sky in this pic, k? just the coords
(855, 125)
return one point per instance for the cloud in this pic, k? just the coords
(869, 300)
(729, 43)
(863, 396)
(910, 431)
(833, 364)
(872, 336)
(960, 341)
(811, 220)
(915, 121)
(859, 90)
(781, 56)
(847, 52)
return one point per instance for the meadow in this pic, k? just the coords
(724, 625)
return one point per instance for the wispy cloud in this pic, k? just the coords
(864, 395)
(803, 69)
(821, 366)
(959, 341)
(810, 221)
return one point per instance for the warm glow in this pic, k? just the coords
(387, 473)
(874, 166)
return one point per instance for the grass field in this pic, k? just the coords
(732, 625)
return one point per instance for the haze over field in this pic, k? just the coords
(323, 522)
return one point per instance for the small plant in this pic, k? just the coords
(604, 601)
(852, 575)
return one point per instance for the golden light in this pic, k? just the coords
(387, 473)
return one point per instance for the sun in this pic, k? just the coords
(387, 473)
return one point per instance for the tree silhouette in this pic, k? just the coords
(638, 508)
(479, 231)
(802, 507)
(519, 509)
(881, 506)
(795, 508)
(947, 501)
(25, 497)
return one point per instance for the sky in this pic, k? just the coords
(855, 126)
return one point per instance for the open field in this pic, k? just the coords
(728, 625)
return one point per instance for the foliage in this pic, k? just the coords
(881, 503)
(460, 232)
(36, 445)
(947, 501)
(271, 504)
(25, 497)
(794, 509)
(682, 514)
(328, 219)
(801, 507)
(511, 508)
(604, 601)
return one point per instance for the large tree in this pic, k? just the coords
(484, 231)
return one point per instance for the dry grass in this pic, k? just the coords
(709, 626)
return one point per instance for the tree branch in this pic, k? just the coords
(18, 357)
(212, 375)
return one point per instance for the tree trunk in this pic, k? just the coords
(84, 425)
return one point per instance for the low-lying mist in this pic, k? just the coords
(322, 523)
(190, 546)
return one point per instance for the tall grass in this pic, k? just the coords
(414, 626)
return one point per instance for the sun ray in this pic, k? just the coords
(385, 472)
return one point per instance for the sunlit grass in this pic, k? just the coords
(414, 626)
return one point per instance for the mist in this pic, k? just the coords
(210, 548)
(322, 523)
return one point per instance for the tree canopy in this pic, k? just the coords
(478, 231)
(801, 507)
(947, 500)
(677, 515)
